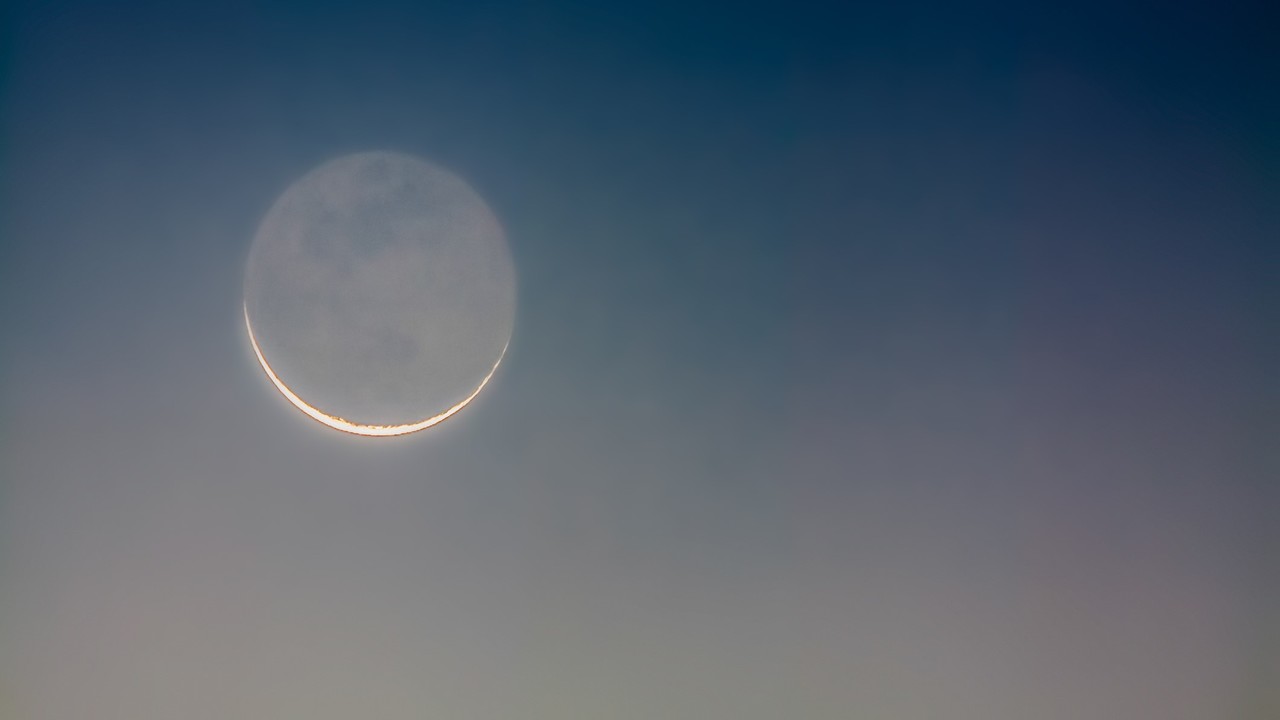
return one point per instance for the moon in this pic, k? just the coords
(379, 294)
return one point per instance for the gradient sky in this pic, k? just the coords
(870, 362)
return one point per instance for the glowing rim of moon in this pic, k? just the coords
(345, 425)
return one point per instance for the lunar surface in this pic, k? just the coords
(379, 294)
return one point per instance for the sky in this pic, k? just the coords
(870, 361)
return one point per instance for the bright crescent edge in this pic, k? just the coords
(345, 425)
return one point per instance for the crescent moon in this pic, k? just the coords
(345, 425)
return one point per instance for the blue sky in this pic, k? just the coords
(868, 362)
